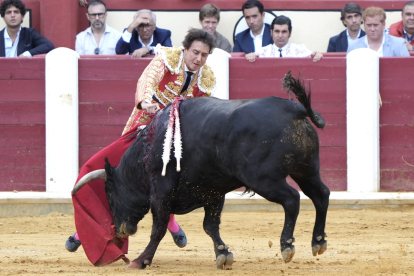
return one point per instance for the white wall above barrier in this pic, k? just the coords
(62, 120)
(219, 62)
(362, 101)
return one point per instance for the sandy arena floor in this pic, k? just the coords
(373, 241)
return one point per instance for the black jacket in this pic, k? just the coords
(244, 42)
(29, 40)
(339, 43)
(161, 36)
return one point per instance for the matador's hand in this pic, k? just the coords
(149, 107)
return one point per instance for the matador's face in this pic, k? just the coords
(196, 56)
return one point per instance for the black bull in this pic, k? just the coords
(226, 145)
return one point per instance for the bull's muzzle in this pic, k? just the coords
(126, 229)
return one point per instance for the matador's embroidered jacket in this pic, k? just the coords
(163, 80)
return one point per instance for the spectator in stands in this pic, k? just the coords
(258, 33)
(376, 39)
(99, 38)
(351, 17)
(209, 19)
(18, 41)
(142, 35)
(405, 28)
(281, 29)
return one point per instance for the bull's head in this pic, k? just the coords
(128, 201)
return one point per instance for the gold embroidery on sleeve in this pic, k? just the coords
(149, 79)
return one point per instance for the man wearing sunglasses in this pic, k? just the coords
(142, 35)
(99, 38)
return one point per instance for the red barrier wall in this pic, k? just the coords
(327, 80)
(397, 124)
(22, 124)
(106, 94)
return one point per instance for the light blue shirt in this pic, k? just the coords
(350, 40)
(10, 49)
(381, 49)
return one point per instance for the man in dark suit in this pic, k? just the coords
(258, 33)
(142, 35)
(351, 17)
(17, 41)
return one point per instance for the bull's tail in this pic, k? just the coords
(298, 88)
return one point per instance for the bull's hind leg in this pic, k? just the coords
(318, 192)
(224, 258)
(280, 192)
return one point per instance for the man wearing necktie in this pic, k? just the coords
(163, 80)
(281, 30)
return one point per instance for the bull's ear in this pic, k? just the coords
(109, 171)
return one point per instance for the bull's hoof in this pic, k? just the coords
(225, 262)
(137, 264)
(288, 254)
(319, 249)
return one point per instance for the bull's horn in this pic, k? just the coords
(98, 174)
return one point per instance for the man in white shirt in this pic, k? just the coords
(99, 38)
(384, 44)
(280, 30)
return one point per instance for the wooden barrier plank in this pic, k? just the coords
(336, 180)
(332, 158)
(392, 90)
(397, 180)
(22, 69)
(395, 68)
(397, 158)
(397, 136)
(275, 68)
(13, 113)
(99, 136)
(28, 162)
(10, 187)
(322, 90)
(16, 176)
(104, 113)
(18, 135)
(121, 69)
(397, 113)
(332, 136)
(107, 91)
(22, 90)
(85, 153)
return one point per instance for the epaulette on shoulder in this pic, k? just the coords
(172, 57)
(206, 80)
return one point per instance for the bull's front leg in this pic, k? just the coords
(161, 216)
(211, 225)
